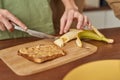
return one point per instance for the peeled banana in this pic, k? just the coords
(81, 34)
(72, 34)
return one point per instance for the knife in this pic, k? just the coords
(34, 33)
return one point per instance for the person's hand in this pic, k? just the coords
(69, 16)
(6, 19)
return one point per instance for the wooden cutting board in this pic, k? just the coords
(23, 67)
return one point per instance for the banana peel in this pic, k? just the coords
(78, 42)
(87, 34)
(81, 34)
(97, 32)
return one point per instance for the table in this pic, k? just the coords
(105, 51)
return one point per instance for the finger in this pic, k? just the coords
(89, 24)
(2, 27)
(7, 24)
(62, 24)
(80, 20)
(12, 18)
(69, 21)
(85, 23)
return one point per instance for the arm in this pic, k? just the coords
(69, 4)
(71, 12)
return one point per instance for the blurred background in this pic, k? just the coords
(100, 14)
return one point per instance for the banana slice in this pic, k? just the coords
(59, 42)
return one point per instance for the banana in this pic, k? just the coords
(90, 34)
(72, 34)
(59, 42)
(81, 34)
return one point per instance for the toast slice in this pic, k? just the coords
(41, 53)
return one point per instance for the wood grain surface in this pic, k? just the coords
(23, 67)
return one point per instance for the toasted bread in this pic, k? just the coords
(41, 53)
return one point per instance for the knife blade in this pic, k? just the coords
(34, 33)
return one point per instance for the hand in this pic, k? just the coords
(5, 21)
(69, 16)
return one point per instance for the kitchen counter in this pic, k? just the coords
(105, 51)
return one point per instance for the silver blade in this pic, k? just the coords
(39, 34)
(34, 33)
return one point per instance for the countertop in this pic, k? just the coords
(105, 51)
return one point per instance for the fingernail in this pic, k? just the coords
(65, 31)
(25, 28)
